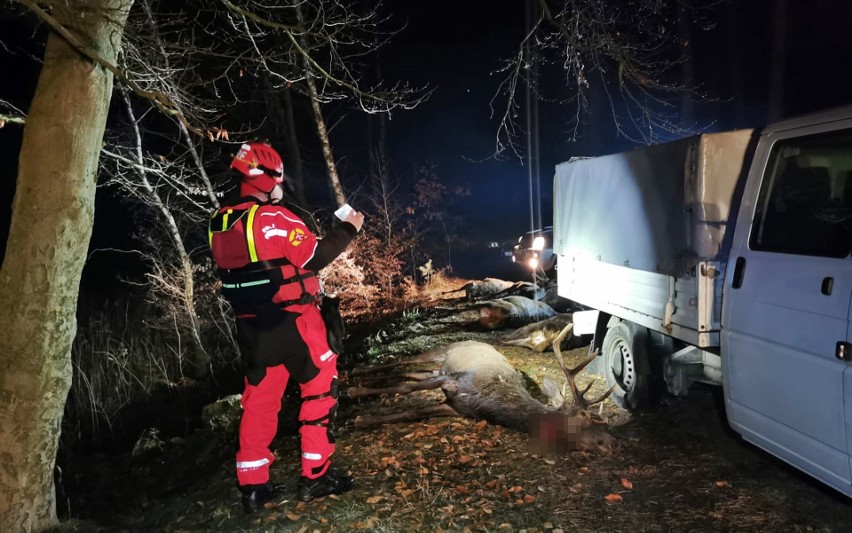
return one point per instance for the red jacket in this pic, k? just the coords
(267, 238)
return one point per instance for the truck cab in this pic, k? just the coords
(787, 296)
(724, 258)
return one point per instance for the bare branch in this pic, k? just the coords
(319, 44)
(159, 99)
(628, 50)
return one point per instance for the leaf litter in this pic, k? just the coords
(675, 468)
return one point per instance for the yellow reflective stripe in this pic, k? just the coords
(210, 230)
(250, 234)
(225, 219)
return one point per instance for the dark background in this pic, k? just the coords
(455, 47)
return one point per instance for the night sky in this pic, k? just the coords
(455, 46)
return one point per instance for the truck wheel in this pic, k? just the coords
(626, 365)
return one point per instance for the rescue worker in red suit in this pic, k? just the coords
(267, 260)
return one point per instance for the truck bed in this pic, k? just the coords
(641, 234)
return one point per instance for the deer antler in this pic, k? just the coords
(571, 373)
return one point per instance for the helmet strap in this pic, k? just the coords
(250, 189)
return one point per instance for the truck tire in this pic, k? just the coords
(626, 365)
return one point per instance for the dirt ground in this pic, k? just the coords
(676, 468)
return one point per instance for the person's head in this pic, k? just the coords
(262, 171)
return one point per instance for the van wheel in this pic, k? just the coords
(626, 365)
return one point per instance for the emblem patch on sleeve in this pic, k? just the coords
(297, 235)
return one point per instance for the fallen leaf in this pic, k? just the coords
(481, 424)
(465, 459)
(717, 516)
(461, 489)
(626, 484)
(613, 498)
(721, 484)
(583, 469)
(367, 524)
(375, 499)
(293, 516)
(529, 498)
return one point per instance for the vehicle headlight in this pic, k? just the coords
(538, 243)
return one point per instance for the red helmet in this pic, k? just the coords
(260, 165)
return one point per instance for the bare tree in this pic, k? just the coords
(51, 225)
(775, 106)
(328, 40)
(627, 48)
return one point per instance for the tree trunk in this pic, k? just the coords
(198, 356)
(295, 159)
(775, 108)
(53, 211)
(687, 68)
(322, 132)
(735, 67)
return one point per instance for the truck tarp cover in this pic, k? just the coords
(659, 208)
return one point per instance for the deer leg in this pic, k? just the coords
(414, 376)
(441, 409)
(432, 356)
(405, 388)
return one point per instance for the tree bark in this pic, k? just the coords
(778, 67)
(53, 211)
(198, 356)
(322, 132)
(295, 159)
(687, 68)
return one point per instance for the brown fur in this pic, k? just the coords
(479, 382)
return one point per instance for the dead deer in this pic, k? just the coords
(527, 289)
(481, 288)
(539, 336)
(478, 382)
(512, 311)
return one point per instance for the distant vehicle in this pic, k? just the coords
(534, 251)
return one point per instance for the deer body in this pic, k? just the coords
(539, 336)
(482, 289)
(512, 311)
(479, 382)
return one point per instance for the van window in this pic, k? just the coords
(805, 201)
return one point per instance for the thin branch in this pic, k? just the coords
(162, 101)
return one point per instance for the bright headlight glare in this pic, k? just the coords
(533, 263)
(538, 243)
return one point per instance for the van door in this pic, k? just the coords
(787, 304)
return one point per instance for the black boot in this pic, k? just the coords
(254, 496)
(332, 482)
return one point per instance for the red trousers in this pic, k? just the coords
(262, 402)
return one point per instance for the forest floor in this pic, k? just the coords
(675, 468)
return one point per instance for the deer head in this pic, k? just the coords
(573, 427)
